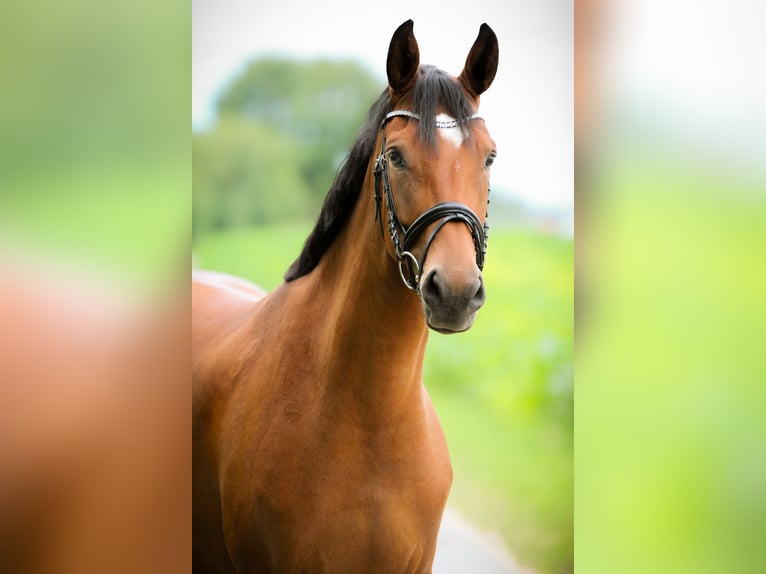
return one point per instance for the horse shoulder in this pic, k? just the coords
(223, 310)
(220, 305)
(223, 307)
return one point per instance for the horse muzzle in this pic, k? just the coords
(451, 300)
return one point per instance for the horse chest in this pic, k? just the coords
(346, 500)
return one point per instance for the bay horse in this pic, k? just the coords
(316, 447)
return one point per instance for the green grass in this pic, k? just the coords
(118, 219)
(503, 390)
(260, 254)
(505, 398)
(671, 354)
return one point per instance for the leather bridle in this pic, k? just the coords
(403, 238)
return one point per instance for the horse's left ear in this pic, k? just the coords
(481, 64)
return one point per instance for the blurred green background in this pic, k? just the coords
(504, 390)
(671, 415)
(94, 141)
(671, 219)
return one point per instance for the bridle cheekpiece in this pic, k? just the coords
(403, 238)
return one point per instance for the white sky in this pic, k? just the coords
(528, 109)
(696, 70)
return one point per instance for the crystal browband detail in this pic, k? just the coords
(437, 123)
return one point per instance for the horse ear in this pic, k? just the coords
(403, 59)
(481, 64)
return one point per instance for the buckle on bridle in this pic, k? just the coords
(406, 257)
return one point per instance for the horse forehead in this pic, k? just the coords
(453, 135)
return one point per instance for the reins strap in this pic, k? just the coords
(444, 213)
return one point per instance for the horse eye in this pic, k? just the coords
(396, 159)
(490, 160)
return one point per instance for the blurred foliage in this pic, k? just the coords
(283, 128)
(671, 461)
(94, 150)
(77, 92)
(503, 390)
(245, 173)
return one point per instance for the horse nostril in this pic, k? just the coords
(437, 291)
(478, 297)
(431, 288)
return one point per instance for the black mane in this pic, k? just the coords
(433, 87)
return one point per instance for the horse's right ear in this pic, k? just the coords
(403, 59)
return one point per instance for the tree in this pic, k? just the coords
(243, 174)
(283, 128)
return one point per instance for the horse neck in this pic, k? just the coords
(374, 326)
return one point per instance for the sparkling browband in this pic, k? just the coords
(437, 123)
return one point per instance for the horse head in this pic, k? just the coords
(432, 177)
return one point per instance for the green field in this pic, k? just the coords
(503, 390)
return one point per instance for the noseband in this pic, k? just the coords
(403, 238)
